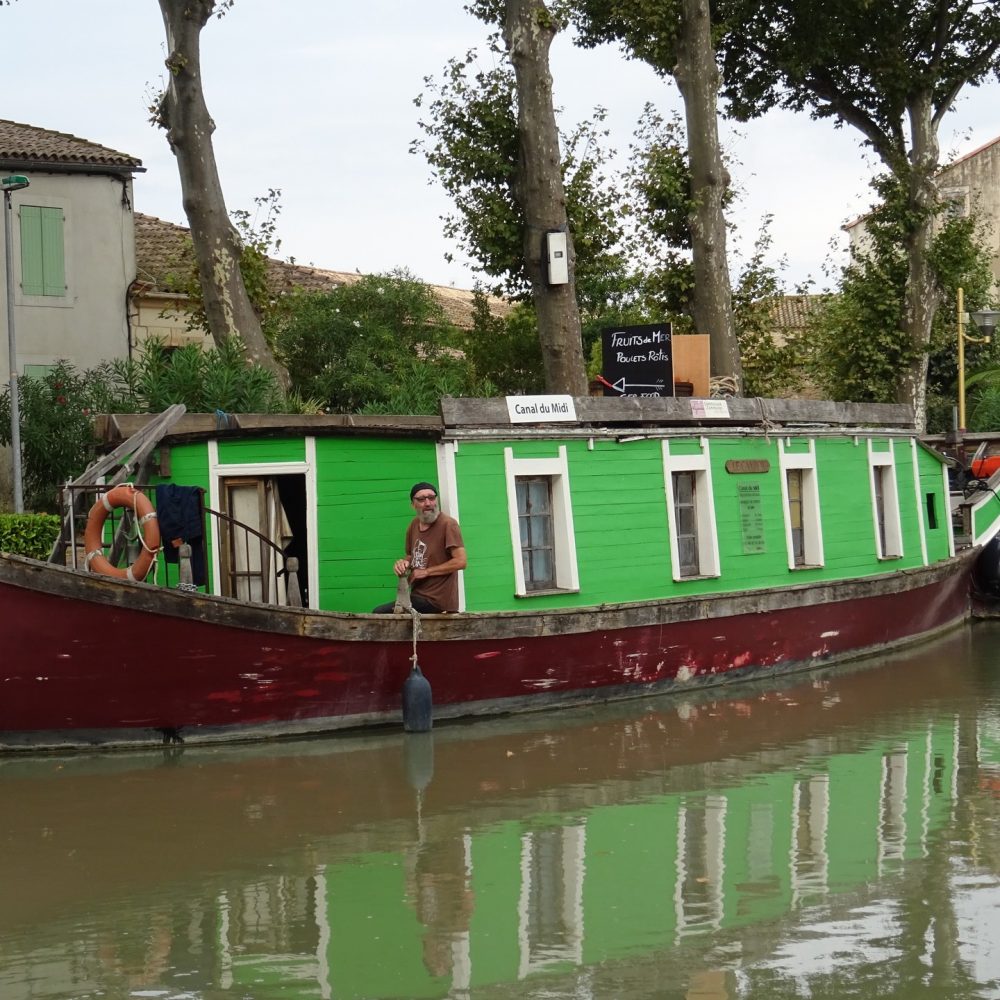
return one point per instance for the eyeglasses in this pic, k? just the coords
(425, 499)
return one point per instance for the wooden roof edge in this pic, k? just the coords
(793, 415)
(635, 411)
(115, 427)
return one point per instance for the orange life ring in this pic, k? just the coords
(125, 495)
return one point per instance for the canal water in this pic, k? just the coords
(837, 836)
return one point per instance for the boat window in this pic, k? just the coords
(694, 545)
(888, 532)
(534, 515)
(541, 523)
(932, 521)
(686, 522)
(878, 485)
(800, 499)
(794, 479)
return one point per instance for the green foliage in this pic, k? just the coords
(866, 64)
(56, 430)
(631, 231)
(658, 179)
(647, 29)
(354, 347)
(505, 350)
(258, 241)
(471, 144)
(859, 337)
(28, 534)
(597, 212)
(419, 386)
(771, 368)
(960, 257)
(661, 177)
(203, 380)
(983, 406)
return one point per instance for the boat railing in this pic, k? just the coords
(251, 567)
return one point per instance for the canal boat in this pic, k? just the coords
(616, 548)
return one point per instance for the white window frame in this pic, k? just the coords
(709, 564)
(563, 537)
(812, 525)
(885, 460)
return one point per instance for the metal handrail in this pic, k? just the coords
(269, 581)
(273, 561)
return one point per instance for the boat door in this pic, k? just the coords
(274, 507)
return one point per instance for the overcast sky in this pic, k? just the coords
(315, 97)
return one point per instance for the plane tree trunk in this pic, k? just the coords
(697, 76)
(183, 113)
(923, 293)
(528, 30)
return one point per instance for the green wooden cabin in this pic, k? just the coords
(633, 500)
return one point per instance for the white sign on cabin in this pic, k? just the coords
(540, 409)
(717, 408)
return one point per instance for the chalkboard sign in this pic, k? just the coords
(637, 360)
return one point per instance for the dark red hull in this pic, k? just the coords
(91, 661)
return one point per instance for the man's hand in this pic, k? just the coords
(401, 566)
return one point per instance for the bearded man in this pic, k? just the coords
(435, 553)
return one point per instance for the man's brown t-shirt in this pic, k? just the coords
(431, 548)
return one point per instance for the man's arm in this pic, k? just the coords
(457, 561)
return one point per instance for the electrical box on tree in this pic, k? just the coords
(557, 255)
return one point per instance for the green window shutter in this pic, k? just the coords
(43, 263)
(32, 274)
(53, 261)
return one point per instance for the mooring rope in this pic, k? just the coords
(416, 631)
(138, 523)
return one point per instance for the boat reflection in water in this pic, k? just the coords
(709, 848)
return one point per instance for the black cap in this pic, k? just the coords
(417, 487)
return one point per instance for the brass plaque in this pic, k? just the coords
(737, 466)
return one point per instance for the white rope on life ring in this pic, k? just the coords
(125, 495)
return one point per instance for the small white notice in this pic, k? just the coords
(540, 409)
(712, 408)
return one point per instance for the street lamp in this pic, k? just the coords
(13, 183)
(985, 320)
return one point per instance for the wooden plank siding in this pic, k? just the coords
(363, 497)
(261, 451)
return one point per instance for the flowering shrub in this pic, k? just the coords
(57, 431)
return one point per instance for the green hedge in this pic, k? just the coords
(28, 534)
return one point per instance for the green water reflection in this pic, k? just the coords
(833, 837)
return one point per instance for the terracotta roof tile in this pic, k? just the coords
(793, 312)
(29, 144)
(162, 249)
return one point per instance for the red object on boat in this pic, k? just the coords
(983, 468)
